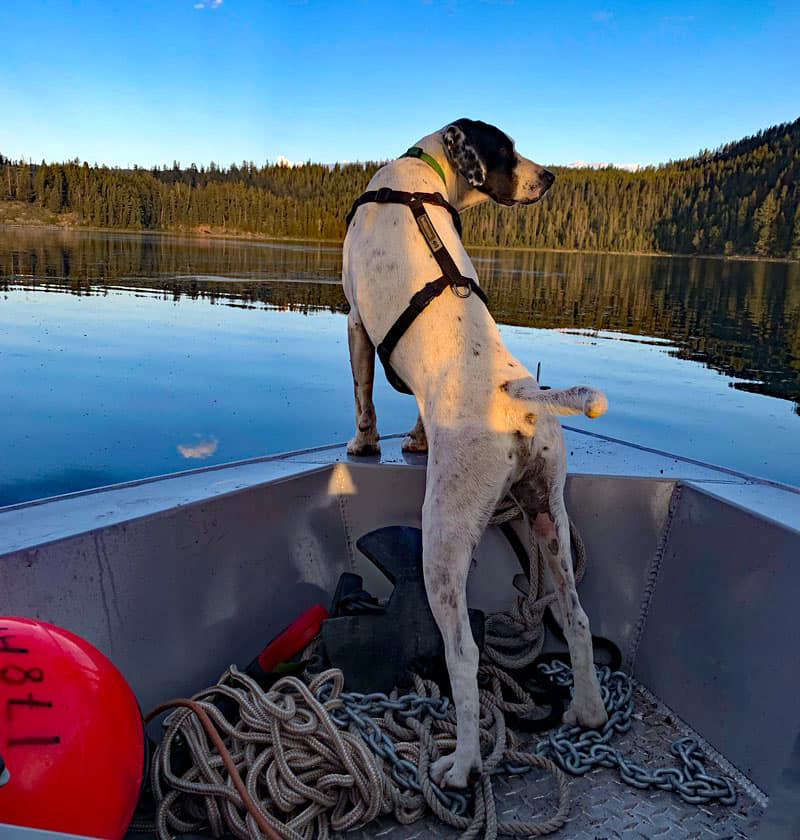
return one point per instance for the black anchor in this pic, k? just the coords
(376, 647)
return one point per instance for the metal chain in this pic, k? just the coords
(362, 709)
(579, 750)
(407, 732)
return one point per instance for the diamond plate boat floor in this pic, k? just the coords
(602, 807)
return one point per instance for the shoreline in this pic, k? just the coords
(258, 237)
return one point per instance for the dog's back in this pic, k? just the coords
(385, 261)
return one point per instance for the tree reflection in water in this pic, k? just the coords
(738, 317)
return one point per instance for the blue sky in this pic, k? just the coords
(148, 82)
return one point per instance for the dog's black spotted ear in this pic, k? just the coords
(464, 155)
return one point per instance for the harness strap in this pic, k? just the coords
(462, 286)
(440, 253)
(389, 196)
(416, 305)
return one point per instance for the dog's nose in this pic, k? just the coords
(548, 178)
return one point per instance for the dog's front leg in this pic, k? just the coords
(362, 362)
(416, 440)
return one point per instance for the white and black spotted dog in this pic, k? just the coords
(487, 426)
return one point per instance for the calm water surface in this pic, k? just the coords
(124, 356)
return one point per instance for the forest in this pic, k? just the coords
(741, 199)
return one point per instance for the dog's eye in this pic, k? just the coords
(503, 151)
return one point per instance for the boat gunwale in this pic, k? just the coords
(377, 460)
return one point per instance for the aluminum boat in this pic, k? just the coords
(694, 572)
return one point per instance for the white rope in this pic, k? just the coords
(514, 637)
(308, 777)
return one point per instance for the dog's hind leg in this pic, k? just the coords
(446, 555)
(459, 498)
(416, 440)
(362, 362)
(552, 534)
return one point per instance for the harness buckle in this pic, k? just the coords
(383, 195)
(461, 290)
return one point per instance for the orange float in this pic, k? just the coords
(71, 734)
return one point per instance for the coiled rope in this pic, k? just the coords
(282, 752)
(287, 752)
(299, 751)
(514, 637)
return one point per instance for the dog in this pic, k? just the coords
(487, 426)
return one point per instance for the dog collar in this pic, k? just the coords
(416, 152)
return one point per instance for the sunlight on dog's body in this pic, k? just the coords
(485, 422)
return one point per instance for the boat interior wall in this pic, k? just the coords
(622, 522)
(782, 818)
(174, 598)
(720, 644)
(48, 520)
(374, 497)
(699, 595)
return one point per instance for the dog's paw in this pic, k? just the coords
(589, 715)
(413, 443)
(364, 445)
(595, 404)
(453, 771)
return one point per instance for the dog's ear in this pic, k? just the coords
(464, 155)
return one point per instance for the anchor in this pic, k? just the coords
(377, 646)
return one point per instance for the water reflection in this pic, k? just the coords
(741, 318)
(203, 447)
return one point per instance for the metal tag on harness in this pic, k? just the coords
(426, 226)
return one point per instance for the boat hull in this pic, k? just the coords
(176, 578)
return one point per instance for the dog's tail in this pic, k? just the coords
(578, 400)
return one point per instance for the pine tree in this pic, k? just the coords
(794, 248)
(24, 191)
(741, 199)
(765, 223)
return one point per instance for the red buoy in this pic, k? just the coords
(288, 642)
(71, 734)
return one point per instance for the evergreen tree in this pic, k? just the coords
(740, 199)
(794, 250)
(765, 220)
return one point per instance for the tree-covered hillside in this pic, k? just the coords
(742, 199)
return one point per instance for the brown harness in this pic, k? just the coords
(461, 286)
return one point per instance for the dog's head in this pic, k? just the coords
(486, 158)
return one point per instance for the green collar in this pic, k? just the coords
(416, 152)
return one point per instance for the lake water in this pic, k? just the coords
(124, 356)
